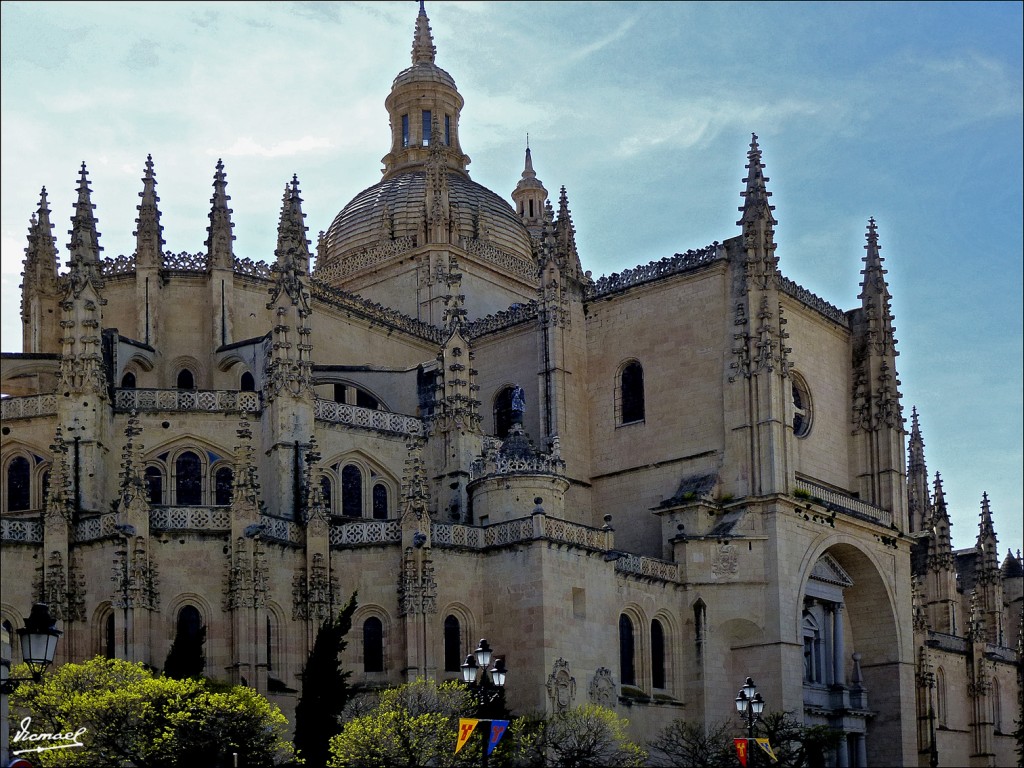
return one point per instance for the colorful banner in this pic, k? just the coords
(466, 728)
(764, 745)
(741, 751)
(498, 728)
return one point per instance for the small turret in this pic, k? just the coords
(988, 576)
(40, 294)
(219, 249)
(529, 197)
(919, 503)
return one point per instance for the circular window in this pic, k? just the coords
(802, 412)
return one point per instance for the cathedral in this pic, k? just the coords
(641, 488)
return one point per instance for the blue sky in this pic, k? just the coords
(907, 112)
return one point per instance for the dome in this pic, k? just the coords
(423, 72)
(395, 208)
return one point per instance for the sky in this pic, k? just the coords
(910, 113)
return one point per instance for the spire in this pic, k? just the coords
(40, 270)
(565, 237)
(529, 197)
(218, 243)
(875, 297)
(292, 252)
(149, 233)
(987, 542)
(940, 550)
(919, 505)
(755, 198)
(84, 248)
(423, 50)
(757, 222)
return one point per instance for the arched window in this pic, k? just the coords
(247, 383)
(631, 393)
(155, 485)
(426, 127)
(188, 480)
(366, 400)
(813, 667)
(185, 379)
(452, 644)
(223, 485)
(373, 645)
(186, 658)
(190, 622)
(940, 696)
(325, 491)
(657, 654)
(627, 651)
(128, 380)
(503, 412)
(19, 484)
(108, 636)
(270, 643)
(351, 491)
(802, 412)
(997, 706)
(380, 502)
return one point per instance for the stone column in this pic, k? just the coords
(839, 654)
(843, 753)
(829, 616)
(861, 751)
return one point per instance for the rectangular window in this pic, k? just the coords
(447, 130)
(426, 128)
(405, 130)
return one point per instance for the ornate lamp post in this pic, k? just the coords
(488, 686)
(38, 644)
(750, 705)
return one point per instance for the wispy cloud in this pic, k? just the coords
(246, 146)
(593, 47)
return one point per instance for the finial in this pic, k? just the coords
(423, 50)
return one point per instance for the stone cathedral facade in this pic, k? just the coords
(640, 488)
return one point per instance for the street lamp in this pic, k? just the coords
(38, 644)
(750, 705)
(488, 685)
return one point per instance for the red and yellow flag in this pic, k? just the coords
(741, 751)
(466, 727)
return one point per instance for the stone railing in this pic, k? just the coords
(514, 264)
(376, 313)
(211, 400)
(284, 531)
(445, 535)
(507, 318)
(28, 406)
(813, 301)
(211, 519)
(840, 502)
(367, 418)
(645, 273)
(368, 257)
(93, 528)
(249, 268)
(535, 527)
(496, 464)
(556, 529)
(647, 567)
(509, 532)
(946, 642)
(21, 531)
(361, 532)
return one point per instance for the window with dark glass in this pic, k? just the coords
(632, 393)
(380, 502)
(452, 644)
(351, 491)
(185, 379)
(155, 485)
(19, 484)
(247, 383)
(339, 393)
(373, 645)
(108, 636)
(128, 381)
(657, 654)
(503, 412)
(405, 130)
(190, 623)
(270, 643)
(627, 651)
(366, 400)
(224, 482)
(188, 480)
(325, 491)
(426, 128)
(447, 130)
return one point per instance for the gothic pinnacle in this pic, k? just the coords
(84, 247)
(219, 239)
(755, 196)
(423, 50)
(292, 246)
(149, 233)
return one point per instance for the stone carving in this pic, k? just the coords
(602, 688)
(725, 561)
(561, 687)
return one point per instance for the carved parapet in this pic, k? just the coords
(27, 407)
(19, 531)
(655, 270)
(209, 401)
(365, 532)
(368, 418)
(208, 519)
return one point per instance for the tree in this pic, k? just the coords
(587, 736)
(134, 718)
(688, 745)
(797, 745)
(325, 689)
(412, 725)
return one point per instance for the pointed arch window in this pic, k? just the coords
(223, 484)
(503, 412)
(631, 393)
(155, 485)
(380, 502)
(657, 654)
(185, 379)
(108, 636)
(940, 696)
(325, 491)
(128, 380)
(627, 651)
(802, 412)
(452, 644)
(188, 480)
(351, 491)
(247, 383)
(373, 645)
(19, 484)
